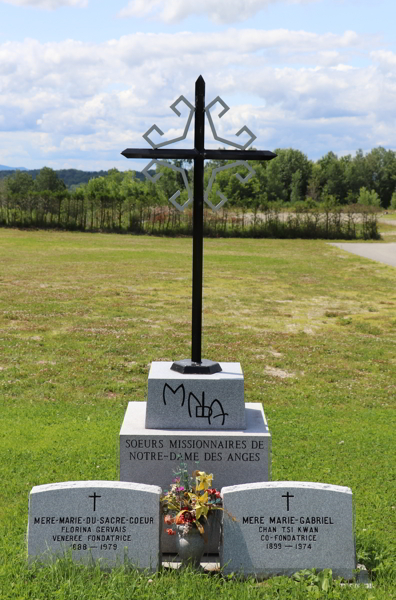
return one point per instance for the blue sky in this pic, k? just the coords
(80, 80)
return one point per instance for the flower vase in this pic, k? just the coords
(190, 546)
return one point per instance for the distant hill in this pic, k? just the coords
(4, 168)
(72, 178)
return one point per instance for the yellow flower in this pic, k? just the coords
(203, 480)
(200, 506)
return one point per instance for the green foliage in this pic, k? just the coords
(315, 583)
(296, 187)
(368, 198)
(20, 184)
(332, 175)
(289, 162)
(375, 555)
(48, 180)
(121, 202)
(72, 178)
(393, 201)
(289, 178)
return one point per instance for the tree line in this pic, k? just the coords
(122, 201)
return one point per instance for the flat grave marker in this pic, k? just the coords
(283, 527)
(108, 521)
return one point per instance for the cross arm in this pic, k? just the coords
(239, 155)
(166, 154)
(160, 154)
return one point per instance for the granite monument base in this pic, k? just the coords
(205, 402)
(152, 456)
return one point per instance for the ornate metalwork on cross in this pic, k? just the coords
(159, 155)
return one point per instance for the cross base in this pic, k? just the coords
(188, 367)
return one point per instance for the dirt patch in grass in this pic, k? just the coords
(279, 373)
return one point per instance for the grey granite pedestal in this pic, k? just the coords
(234, 457)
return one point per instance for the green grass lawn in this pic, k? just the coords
(387, 227)
(391, 215)
(83, 315)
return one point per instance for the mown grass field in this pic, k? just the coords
(83, 315)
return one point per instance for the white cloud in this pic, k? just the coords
(386, 59)
(219, 11)
(77, 103)
(46, 4)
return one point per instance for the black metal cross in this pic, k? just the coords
(199, 154)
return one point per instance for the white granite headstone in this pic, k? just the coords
(107, 521)
(284, 526)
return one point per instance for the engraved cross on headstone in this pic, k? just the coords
(95, 497)
(199, 154)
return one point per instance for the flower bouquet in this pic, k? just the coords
(190, 501)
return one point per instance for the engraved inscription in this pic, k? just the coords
(293, 532)
(196, 450)
(86, 533)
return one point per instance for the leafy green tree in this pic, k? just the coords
(333, 172)
(20, 189)
(246, 196)
(170, 182)
(114, 181)
(355, 174)
(380, 167)
(3, 201)
(130, 190)
(296, 185)
(20, 184)
(289, 161)
(315, 183)
(99, 201)
(275, 188)
(393, 201)
(48, 179)
(51, 192)
(369, 198)
(76, 207)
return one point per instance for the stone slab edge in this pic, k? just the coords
(162, 370)
(139, 428)
(282, 484)
(127, 485)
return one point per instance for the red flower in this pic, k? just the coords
(185, 517)
(170, 532)
(169, 520)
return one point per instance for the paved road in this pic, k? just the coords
(385, 253)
